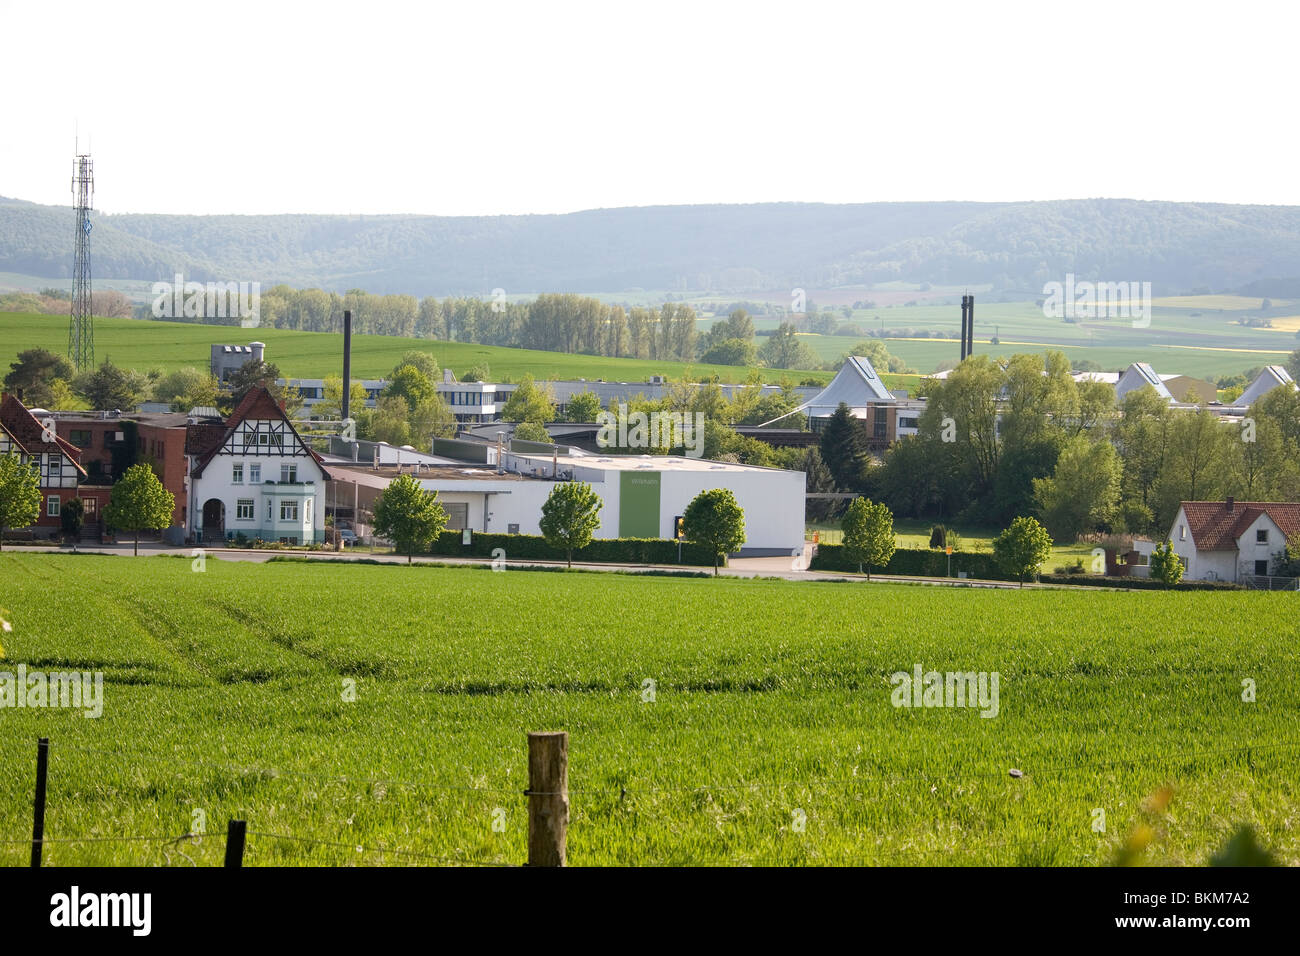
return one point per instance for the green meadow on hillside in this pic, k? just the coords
(711, 721)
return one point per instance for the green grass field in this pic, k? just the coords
(143, 345)
(224, 694)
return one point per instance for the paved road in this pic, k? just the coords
(786, 568)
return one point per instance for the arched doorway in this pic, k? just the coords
(214, 520)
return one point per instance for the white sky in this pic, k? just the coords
(475, 107)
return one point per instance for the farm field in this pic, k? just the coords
(143, 344)
(224, 694)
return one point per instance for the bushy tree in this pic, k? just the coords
(715, 519)
(108, 387)
(35, 372)
(1022, 548)
(1083, 493)
(408, 515)
(532, 431)
(583, 407)
(1166, 566)
(71, 517)
(529, 403)
(139, 502)
(868, 534)
(570, 515)
(411, 384)
(731, 352)
(20, 494)
(784, 350)
(187, 388)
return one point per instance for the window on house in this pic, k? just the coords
(307, 518)
(255, 473)
(1261, 536)
(1182, 532)
(80, 437)
(288, 510)
(52, 506)
(1261, 568)
(89, 505)
(263, 438)
(269, 513)
(457, 516)
(237, 472)
(56, 466)
(289, 473)
(244, 509)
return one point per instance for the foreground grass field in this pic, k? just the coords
(224, 693)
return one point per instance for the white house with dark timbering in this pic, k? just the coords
(255, 476)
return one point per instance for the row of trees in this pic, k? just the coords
(998, 440)
(412, 518)
(555, 322)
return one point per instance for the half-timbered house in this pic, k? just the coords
(255, 476)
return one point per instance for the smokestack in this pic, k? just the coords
(965, 302)
(347, 363)
(970, 326)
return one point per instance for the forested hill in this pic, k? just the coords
(1180, 247)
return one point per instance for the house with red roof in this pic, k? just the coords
(255, 476)
(37, 442)
(1232, 540)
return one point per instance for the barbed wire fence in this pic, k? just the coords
(547, 797)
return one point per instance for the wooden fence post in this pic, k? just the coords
(235, 831)
(38, 811)
(548, 798)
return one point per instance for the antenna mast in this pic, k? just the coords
(81, 336)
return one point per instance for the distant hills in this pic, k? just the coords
(727, 249)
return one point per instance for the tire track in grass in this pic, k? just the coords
(93, 599)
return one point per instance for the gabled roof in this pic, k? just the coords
(26, 432)
(1140, 374)
(257, 404)
(1216, 528)
(1266, 381)
(856, 384)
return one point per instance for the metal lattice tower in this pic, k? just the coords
(81, 336)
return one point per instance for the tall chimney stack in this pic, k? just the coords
(347, 363)
(965, 302)
(970, 325)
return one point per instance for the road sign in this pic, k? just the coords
(948, 549)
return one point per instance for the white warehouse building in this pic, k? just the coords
(642, 494)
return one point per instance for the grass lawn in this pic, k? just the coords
(225, 693)
(915, 533)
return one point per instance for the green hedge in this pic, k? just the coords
(600, 551)
(1140, 584)
(917, 562)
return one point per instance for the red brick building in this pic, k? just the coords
(37, 441)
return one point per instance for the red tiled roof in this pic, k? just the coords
(28, 434)
(257, 404)
(1214, 528)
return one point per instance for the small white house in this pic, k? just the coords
(1231, 540)
(255, 475)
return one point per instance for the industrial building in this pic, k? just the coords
(642, 494)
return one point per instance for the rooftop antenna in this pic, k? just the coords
(81, 334)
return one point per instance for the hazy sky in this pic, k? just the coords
(483, 108)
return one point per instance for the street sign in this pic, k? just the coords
(948, 549)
